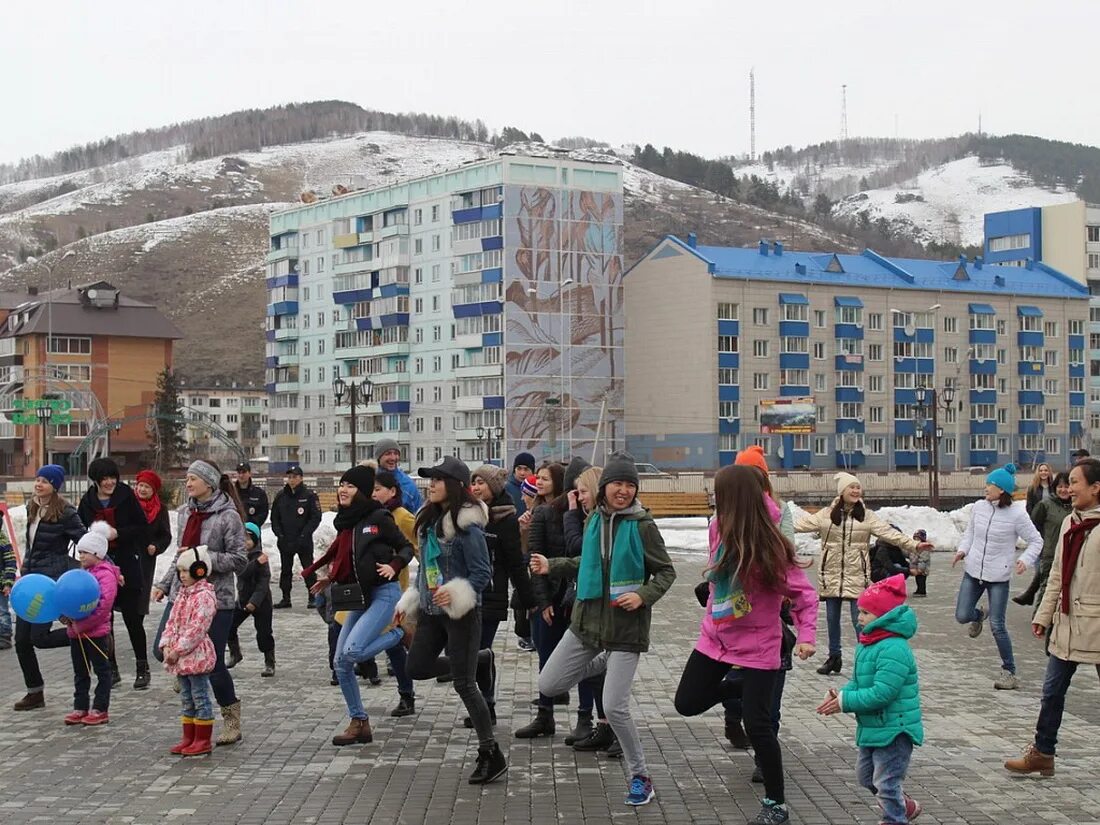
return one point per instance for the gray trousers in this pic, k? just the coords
(572, 662)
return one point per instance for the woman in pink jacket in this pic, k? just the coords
(89, 638)
(752, 570)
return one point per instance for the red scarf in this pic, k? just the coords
(340, 569)
(107, 514)
(151, 507)
(192, 531)
(1072, 542)
(876, 636)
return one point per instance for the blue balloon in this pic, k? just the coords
(32, 599)
(76, 594)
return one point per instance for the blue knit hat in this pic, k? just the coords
(53, 473)
(1003, 477)
(254, 530)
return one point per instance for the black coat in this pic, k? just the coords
(254, 500)
(48, 554)
(254, 582)
(295, 515)
(160, 536)
(506, 554)
(888, 560)
(378, 540)
(546, 536)
(127, 550)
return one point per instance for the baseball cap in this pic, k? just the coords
(244, 467)
(294, 470)
(449, 467)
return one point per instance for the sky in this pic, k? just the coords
(623, 71)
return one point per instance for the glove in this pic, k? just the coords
(702, 592)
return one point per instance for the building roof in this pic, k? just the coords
(82, 310)
(870, 269)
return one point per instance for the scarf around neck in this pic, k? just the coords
(627, 567)
(1072, 542)
(150, 507)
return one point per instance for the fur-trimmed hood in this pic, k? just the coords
(472, 514)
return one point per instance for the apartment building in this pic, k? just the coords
(478, 311)
(820, 358)
(221, 413)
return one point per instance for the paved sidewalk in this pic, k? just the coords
(286, 771)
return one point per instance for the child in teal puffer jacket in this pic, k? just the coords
(884, 694)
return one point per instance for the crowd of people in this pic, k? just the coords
(570, 552)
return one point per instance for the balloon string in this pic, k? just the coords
(81, 638)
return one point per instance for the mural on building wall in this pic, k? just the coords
(563, 280)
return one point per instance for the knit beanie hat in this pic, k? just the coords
(530, 486)
(103, 468)
(150, 478)
(251, 527)
(883, 596)
(207, 472)
(577, 466)
(619, 467)
(493, 476)
(53, 473)
(362, 477)
(96, 540)
(193, 556)
(1003, 477)
(844, 481)
(753, 456)
(383, 446)
(523, 460)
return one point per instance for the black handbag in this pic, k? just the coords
(347, 597)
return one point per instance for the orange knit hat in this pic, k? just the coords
(753, 456)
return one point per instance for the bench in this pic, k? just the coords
(327, 500)
(666, 505)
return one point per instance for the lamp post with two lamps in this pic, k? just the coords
(488, 434)
(929, 402)
(357, 393)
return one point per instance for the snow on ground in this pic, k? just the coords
(962, 190)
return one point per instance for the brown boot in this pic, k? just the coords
(34, 700)
(1032, 762)
(357, 733)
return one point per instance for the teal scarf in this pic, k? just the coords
(728, 601)
(430, 558)
(627, 560)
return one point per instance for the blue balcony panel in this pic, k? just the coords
(794, 361)
(793, 391)
(493, 275)
(729, 359)
(983, 396)
(1030, 427)
(1077, 399)
(726, 457)
(492, 211)
(850, 425)
(1029, 339)
(986, 366)
(849, 363)
(491, 339)
(1076, 370)
(1030, 368)
(727, 426)
(729, 392)
(396, 319)
(492, 402)
(1030, 396)
(466, 215)
(983, 336)
(1075, 341)
(983, 458)
(394, 407)
(905, 365)
(848, 331)
(352, 296)
(494, 242)
(986, 427)
(729, 327)
(855, 458)
(853, 394)
(794, 329)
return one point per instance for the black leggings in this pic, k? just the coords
(702, 686)
(135, 629)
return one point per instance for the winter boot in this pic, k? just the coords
(34, 700)
(357, 732)
(235, 654)
(269, 665)
(188, 736)
(831, 665)
(490, 765)
(615, 749)
(736, 734)
(143, 676)
(583, 729)
(284, 604)
(405, 707)
(1032, 762)
(369, 670)
(543, 725)
(231, 725)
(116, 677)
(201, 743)
(599, 740)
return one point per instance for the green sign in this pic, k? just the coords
(28, 411)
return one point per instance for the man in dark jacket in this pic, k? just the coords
(253, 497)
(523, 465)
(295, 515)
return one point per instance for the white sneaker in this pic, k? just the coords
(1007, 681)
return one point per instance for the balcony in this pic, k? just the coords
(286, 440)
(286, 334)
(470, 341)
(353, 267)
(345, 241)
(372, 350)
(366, 237)
(393, 231)
(344, 437)
(382, 378)
(469, 403)
(282, 253)
(479, 371)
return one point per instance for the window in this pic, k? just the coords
(819, 350)
(435, 276)
(1002, 327)
(983, 442)
(951, 355)
(759, 380)
(849, 346)
(1050, 329)
(819, 382)
(1002, 385)
(1030, 412)
(727, 343)
(794, 378)
(437, 363)
(819, 320)
(1030, 323)
(950, 324)
(437, 424)
(874, 352)
(760, 348)
(727, 375)
(1094, 261)
(437, 333)
(1050, 357)
(983, 412)
(794, 344)
(418, 275)
(849, 379)
(760, 316)
(874, 383)
(849, 315)
(875, 415)
(1094, 340)
(850, 409)
(821, 445)
(876, 445)
(1077, 327)
(1052, 415)
(727, 442)
(874, 321)
(418, 306)
(822, 415)
(1031, 353)
(982, 382)
(727, 312)
(435, 213)
(1076, 356)
(729, 409)
(68, 345)
(1050, 386)
(1002, 356)
(794, 312)
(1094, 234)
(981, 320)
(418, 246)
(1006, 242)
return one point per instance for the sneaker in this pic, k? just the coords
(76, 717)
(1006, 681)
(526, 645)
(615, 749)
(491, 765)
(641, 791)
(976, 626)
(771, 813)
(96, 717)
(912, 808)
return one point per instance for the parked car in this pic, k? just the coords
(650, 470)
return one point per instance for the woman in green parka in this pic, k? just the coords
(1047, 516)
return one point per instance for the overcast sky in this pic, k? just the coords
(619, 70)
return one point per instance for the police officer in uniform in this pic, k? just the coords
(253, 497)
(295, 514)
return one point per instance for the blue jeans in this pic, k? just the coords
(832, 621)
(881, 771)
(195, 694)
(5, 619)
(361, 638)
(966, 611)
(1055, 684)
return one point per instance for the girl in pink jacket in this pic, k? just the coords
(752, 570)
(188, 651)
(89, 638)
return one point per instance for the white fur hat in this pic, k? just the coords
(96, 541)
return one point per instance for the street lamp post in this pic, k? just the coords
(928, 398)
(357, 393)
(44, 414)
(488, 434)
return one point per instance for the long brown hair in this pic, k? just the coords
(755, 549)
(1036, 481)
(50, 512)
(557, 480)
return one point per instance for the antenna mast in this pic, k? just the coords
(844, 112)
(752, 113)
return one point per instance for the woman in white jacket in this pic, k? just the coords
(989, 547)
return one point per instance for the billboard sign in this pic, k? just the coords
(788, 416)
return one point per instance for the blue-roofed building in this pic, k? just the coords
(818, 357)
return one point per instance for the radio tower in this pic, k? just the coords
(752, 113)
(844, 112)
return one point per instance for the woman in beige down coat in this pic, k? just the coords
(844, 570)
(1071, 610)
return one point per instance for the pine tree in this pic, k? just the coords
(166, 440)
